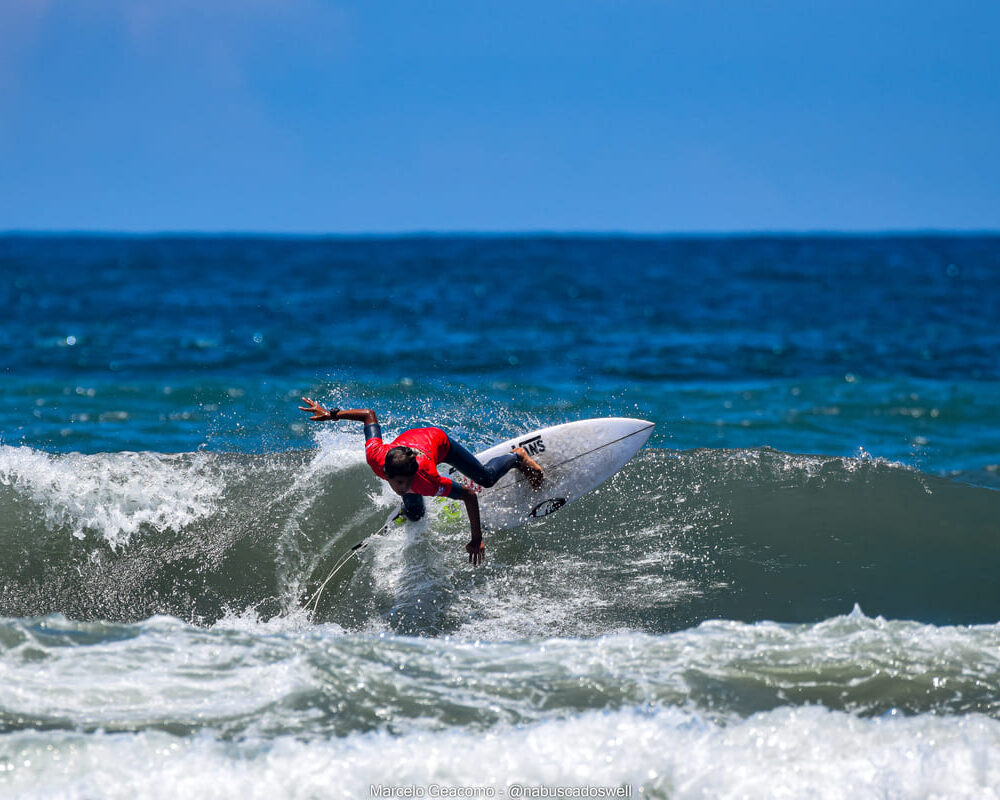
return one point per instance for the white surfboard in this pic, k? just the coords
(576, 458)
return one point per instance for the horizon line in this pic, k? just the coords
(538, 233)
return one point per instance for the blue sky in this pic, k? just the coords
(593, 115)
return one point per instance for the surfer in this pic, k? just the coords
(410, 462)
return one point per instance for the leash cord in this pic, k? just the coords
(341, 563)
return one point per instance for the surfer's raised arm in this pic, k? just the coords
(320, 414)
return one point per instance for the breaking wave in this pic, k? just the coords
(674, 539)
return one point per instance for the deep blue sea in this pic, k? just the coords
(791, 591)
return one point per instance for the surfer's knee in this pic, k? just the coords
(496, 469)
(489, 478)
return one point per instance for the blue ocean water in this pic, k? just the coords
(806, 344)
(792, 588)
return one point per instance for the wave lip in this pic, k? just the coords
(113, 495)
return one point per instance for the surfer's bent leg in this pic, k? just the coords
(484, 474)
(413, 506)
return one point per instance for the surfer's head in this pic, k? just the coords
(400, 467)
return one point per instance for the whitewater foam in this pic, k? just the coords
(294, 678)
(113, 495)
(803, 752)
(163, 674)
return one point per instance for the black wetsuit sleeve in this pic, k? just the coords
(372, 431)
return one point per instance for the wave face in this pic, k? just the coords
(676, 538)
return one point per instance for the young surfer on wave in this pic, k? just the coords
(410, 462)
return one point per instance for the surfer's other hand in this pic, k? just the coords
(319, 414)
(477, 551)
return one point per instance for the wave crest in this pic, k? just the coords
(112, 495)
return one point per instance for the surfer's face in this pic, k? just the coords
(401, 483)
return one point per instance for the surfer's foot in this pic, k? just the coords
(527, 467)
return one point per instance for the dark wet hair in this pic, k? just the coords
(400, 461)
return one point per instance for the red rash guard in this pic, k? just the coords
(432, 448)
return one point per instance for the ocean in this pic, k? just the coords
(791, 591)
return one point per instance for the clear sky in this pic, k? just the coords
(590, 115)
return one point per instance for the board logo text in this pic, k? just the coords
(533, 446)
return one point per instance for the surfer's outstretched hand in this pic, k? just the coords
(477, 551)
(319, 414)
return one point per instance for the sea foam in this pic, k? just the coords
(801, 752)
(113, 494)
